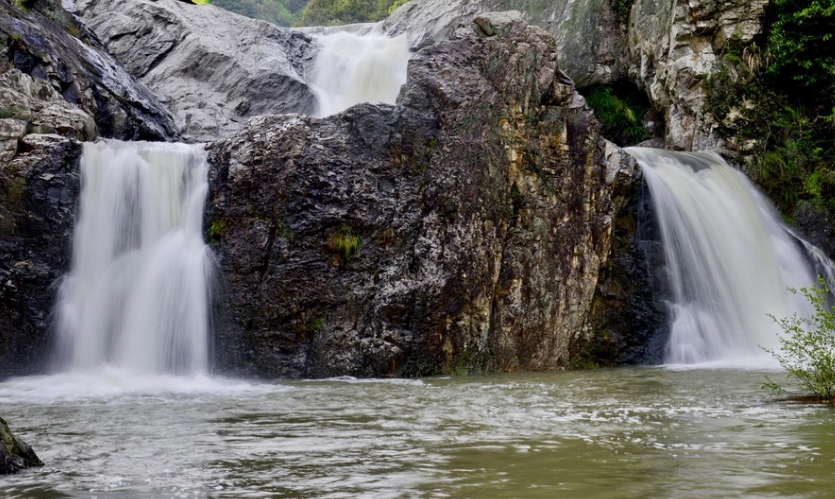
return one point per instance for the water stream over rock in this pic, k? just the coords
(730, 260)
(137, 295)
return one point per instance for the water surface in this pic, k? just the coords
(622, 433)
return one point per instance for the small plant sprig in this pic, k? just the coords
(344, 241)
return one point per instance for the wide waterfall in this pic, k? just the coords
(358, 63)
(137, 293)
(729, 259)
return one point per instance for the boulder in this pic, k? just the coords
(462, 230)
(213, 68)
(591, 43)
(15, 454)
(41, 40)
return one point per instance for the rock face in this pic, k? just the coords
(591, 43)
(15, 454)
(215, 69)
(46, 43)
(461, 230)
(628, 323)
(675, 46)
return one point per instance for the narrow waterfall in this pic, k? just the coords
(729, 259)
(356, 64)
(137, 292)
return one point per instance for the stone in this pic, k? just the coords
(674, 47)
(591, 43)
(462, 230)
(15, 454)
(53, 48)
(213, 68)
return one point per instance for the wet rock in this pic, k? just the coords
(591, 43)
(462, 230)
(50, 45)
(15, 454)
(38, 190)
(215, 69)
(628, 323)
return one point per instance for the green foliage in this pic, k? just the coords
(345, 242)
(336, 12)
(280, 12)
(807, 347)
(775, 96)
(620, 111)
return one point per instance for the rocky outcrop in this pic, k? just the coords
(628, 323)
(213, 68)
(462, 230)
(38, 189)
(675, 46)
(41, 40)
(15, 454)
(590, 40)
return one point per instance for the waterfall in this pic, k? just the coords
(137, 292)
(357, 63)
(729, 259)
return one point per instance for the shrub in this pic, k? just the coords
(807, 347)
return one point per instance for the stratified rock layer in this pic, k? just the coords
(15, 454)
(462, 230)
(215, 69)
(675, 46)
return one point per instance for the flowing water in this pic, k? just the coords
(729, 259)
(137, 294)
(358, 63)
(625, 433)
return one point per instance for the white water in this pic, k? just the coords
(137, 293)
(730, 261)
(355, 65)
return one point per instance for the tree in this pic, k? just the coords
(807, 346)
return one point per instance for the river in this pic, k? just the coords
(613, 433)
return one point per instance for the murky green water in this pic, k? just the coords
(625, 433)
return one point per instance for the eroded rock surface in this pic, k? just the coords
(213, 68)
(15, 454)
(46, 43)
(461, 230)
(590, 42)
(675, 46)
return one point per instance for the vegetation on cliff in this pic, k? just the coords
(311, 12)
(775, 99)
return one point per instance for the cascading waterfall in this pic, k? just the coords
(358, 63)
(729, 259)
(137, 294)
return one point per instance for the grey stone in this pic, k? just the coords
(52, 47)
(215, 69)
(590, 41)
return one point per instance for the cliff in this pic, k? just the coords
(461, 230)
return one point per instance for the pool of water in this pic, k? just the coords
(613, 433)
